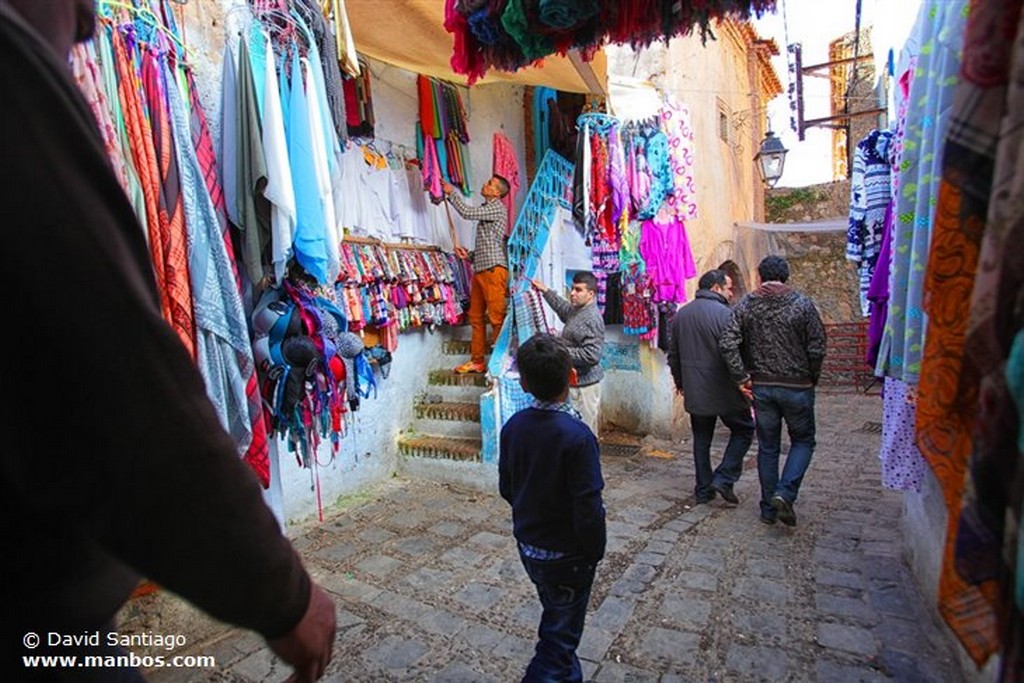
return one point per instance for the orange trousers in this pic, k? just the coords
(488, 302)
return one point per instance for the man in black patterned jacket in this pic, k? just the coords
(774, 347)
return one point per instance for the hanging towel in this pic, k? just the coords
(506, 165)
(223, 353)
(253, 208)
(279, 191)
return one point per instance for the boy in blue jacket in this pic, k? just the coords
(549, 470)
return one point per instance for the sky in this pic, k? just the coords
(815, 23)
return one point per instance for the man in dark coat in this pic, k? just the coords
(709, 394)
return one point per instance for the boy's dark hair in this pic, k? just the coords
(711, 278)
(544, 366)
(587, 278)
(773, 268)
(503, 185)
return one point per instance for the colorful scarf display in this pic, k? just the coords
(441, 137)
(633, 193)
(511, 35)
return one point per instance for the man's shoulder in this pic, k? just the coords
(592, 313)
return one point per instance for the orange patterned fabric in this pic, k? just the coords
(143, 156)
(947, 405)
(950, 378)
(173, 239)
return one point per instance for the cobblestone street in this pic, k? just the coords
(429, 586)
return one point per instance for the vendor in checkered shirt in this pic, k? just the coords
(488, 298)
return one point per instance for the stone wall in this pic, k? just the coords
(817, 260)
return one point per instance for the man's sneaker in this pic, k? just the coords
(471, 367)
(783, 509)
(726, 493)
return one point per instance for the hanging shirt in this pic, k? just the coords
(279, 191)
(317, 127)
(310, 232)
(412, 206)
(353, 186)
(381, 217)
(870, 194)
(666, 252)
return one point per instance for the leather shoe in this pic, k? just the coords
(726, 493)
(783, 509)
(766, 520)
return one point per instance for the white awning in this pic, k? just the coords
(827, 225)
(411, 35)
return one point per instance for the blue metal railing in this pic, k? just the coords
(549, 190)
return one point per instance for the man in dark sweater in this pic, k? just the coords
(702, 377)
(584, 335)
(774, 347)
(117, 465)
(549, 470)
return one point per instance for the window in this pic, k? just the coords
(723, 121)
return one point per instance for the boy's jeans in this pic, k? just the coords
(564, 589)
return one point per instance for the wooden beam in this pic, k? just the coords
(847, 60)
(839, 117)
(586, 73)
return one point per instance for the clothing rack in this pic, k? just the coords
(147, 15)
(352, 239)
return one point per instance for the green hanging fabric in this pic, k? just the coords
(532, 43)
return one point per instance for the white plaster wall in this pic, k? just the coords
(368, 451)
(490, 108)
(644, 401)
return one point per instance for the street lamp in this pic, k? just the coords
(770, 159)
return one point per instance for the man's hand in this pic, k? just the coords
(746, 388)
(461, 252)
(308, 646)
(538, 285)
(447, 187)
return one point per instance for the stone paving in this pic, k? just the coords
(429, 586)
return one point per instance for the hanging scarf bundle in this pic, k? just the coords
(442, 134)
(394, 289)
(511, 35)
(136, 78)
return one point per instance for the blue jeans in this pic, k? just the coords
(772, 405)
(564, 589)
(741, 433)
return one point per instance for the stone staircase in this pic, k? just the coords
(447, 423)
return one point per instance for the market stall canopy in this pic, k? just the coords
(825, 225)
(411, 35)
